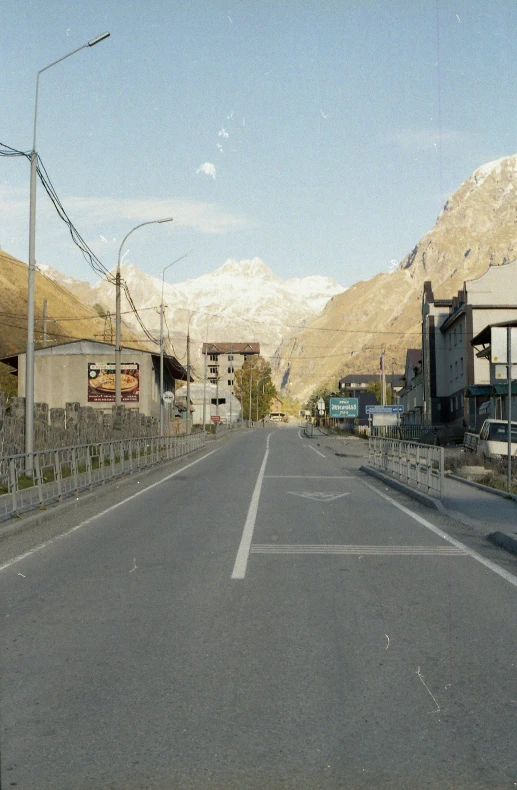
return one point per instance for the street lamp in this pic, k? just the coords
(162, 306)
(29, 356)
(118, 347)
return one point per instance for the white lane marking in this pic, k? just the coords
(241, 560)
(103, 513)
(318, 496)
(509, 577)
(386, 551)
(311, 477)
(316, 451)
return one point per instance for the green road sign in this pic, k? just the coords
(344, 407)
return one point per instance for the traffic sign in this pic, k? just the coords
(344, 407)
(168, 397)
(385, 409)
(216, 418)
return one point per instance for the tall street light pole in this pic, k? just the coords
(29, 356)
(162, 308)
(118, 347)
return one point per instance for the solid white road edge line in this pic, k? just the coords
(316, 451)
(475, 556)
(241, 560)
(103, 513)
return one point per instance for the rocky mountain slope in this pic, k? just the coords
(477, 228)
(67, 316)
(241, 300)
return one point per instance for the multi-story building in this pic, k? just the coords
(456, 381)
(223, 359)
(412, 394)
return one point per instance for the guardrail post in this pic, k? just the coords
(58, 475)
(74, 469)
(13, 484)
(39, 481)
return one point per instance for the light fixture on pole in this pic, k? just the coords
(118, 347)
(29, 357)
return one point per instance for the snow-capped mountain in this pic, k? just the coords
(241, 301)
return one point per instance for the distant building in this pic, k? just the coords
(456, 381)
(495, 404)
(353, 385)
(223, 359)
(412, 394)
(83, 371)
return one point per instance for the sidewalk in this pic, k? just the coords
(490, 514)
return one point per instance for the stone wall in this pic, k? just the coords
(72, 425)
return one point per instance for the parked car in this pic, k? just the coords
(493, 439)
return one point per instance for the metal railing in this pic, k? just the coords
(62, 472)
(419, 465)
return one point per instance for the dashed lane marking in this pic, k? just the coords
(386, 551)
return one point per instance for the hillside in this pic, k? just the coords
(476, 228)
(67, 317)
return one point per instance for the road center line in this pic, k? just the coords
(310, 477)
(509, 577)
(241, 560)
(103, 513)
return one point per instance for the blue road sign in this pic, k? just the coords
(384, 410)
(344, 407)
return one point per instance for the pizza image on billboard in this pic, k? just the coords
(101, 382)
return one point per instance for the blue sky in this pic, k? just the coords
(335, 129)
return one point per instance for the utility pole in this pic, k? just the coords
(204, 389)
(161, 369)
(188, 378)
(44, 322)
(509, 374)
(383, 379)
(251, 382)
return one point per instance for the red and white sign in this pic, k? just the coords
(216, 418)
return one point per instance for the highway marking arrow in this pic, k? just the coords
(318, 496)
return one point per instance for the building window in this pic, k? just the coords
(229, 382)
(213, 370)
(230, 357)
(213, 357)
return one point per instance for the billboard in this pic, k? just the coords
(344, 407)
(101, 382)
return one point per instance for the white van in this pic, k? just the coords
(493, 439)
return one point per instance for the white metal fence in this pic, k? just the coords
(419, 465)
(58, 473)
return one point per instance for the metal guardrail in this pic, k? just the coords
(64, 471)
(420, 465)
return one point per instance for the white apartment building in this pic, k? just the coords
(223, 359)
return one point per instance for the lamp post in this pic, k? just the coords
(29, 357)
(162, 306)
(118, 347)
(258, 382)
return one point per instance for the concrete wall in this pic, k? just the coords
(63, 378)
(73, 424)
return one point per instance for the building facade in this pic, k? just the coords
(223, 359)
(456, 382)
(82, 372)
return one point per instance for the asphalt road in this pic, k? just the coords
(267, 617)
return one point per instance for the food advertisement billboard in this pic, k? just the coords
(101, 382)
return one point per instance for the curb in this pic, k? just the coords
(489, 489)
(505, 540)
(424, 499)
